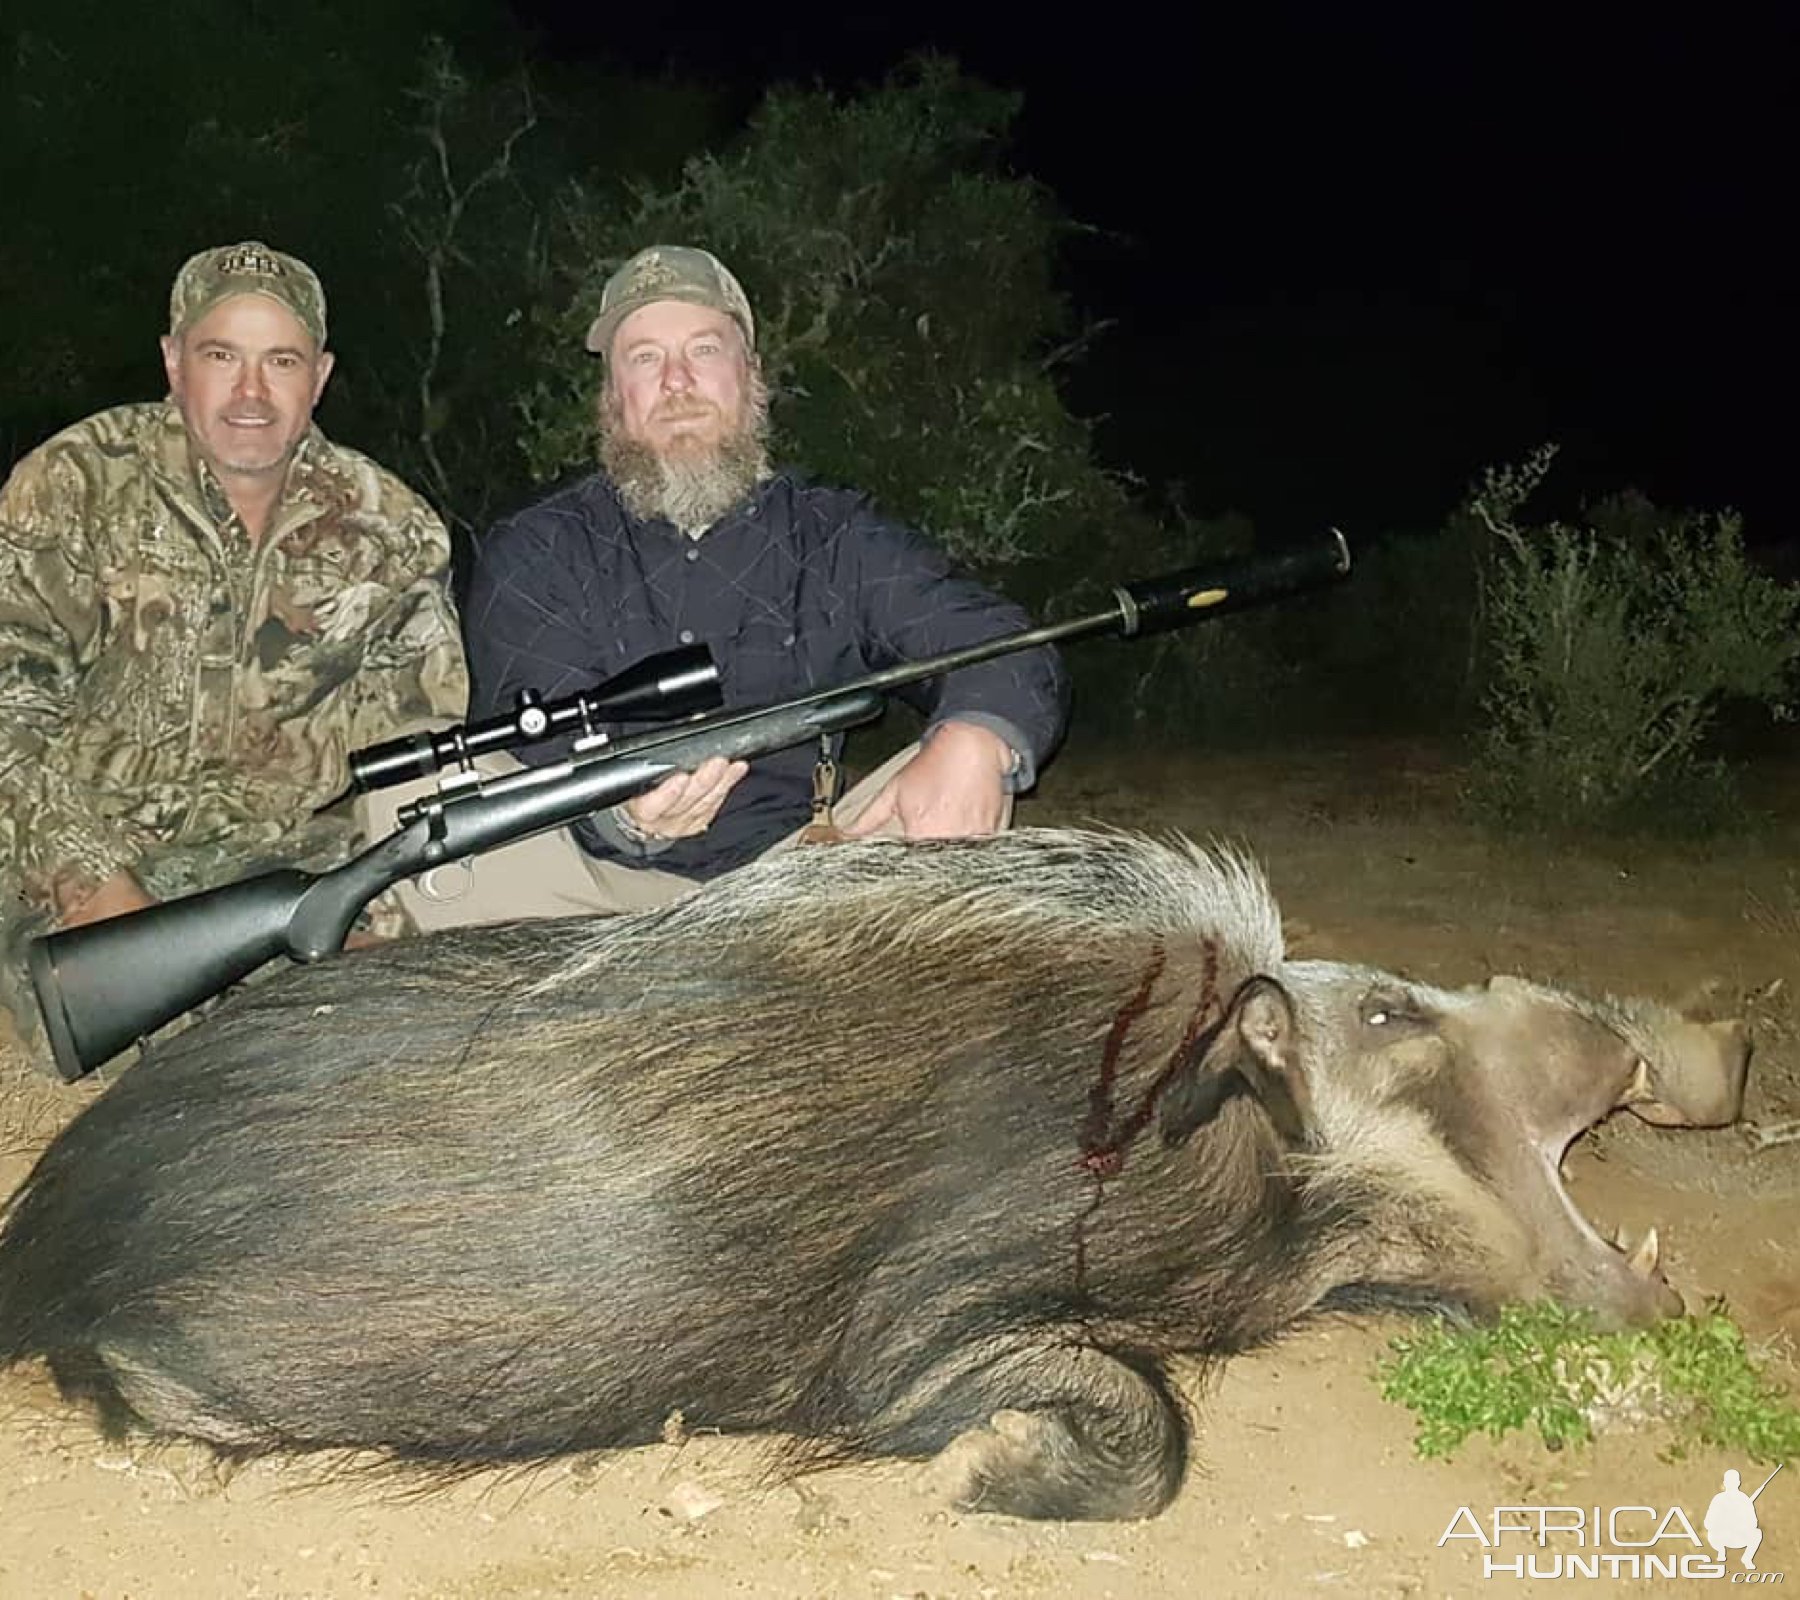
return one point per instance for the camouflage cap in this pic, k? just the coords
(248, 268)
(669, 272)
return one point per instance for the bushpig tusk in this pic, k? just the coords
(1643, 1259)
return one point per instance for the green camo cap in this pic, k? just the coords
(669, 272)
(248, 268)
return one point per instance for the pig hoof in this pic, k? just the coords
(1016, 1427)
(966, 1471)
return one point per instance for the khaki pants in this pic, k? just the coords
(550, 875)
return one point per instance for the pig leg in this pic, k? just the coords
(132, 1392)
(1072, 1432)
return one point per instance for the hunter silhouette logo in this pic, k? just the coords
(1626, 1541)
(1731, 1520)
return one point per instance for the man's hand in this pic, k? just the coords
(685, 803)
(117, 895)
(954, 788)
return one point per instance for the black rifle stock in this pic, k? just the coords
(107, 984)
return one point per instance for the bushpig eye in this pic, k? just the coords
(1390, 1010)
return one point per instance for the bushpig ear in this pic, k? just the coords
(1254, 1049)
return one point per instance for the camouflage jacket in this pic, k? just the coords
(177, 700)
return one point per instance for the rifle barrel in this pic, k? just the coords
(1152, 605)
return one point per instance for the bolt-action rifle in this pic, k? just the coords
(106, 984)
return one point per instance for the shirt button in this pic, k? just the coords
(693, 553)
(686, 636)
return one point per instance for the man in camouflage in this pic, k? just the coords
(204, 606)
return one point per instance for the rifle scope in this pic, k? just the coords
(670, 684)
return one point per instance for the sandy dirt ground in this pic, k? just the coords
(1306, 1480)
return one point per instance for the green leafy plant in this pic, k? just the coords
(1546, 1367)
(1613, 646)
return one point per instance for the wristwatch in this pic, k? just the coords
(629, 825)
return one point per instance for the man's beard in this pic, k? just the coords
(696, 483)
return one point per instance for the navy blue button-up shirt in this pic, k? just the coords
(802, 588)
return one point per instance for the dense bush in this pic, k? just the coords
(1612, 648)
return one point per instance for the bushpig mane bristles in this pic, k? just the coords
(1038, 884)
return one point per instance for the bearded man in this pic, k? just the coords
(687, 534)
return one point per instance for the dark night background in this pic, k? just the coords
(1351, 255)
